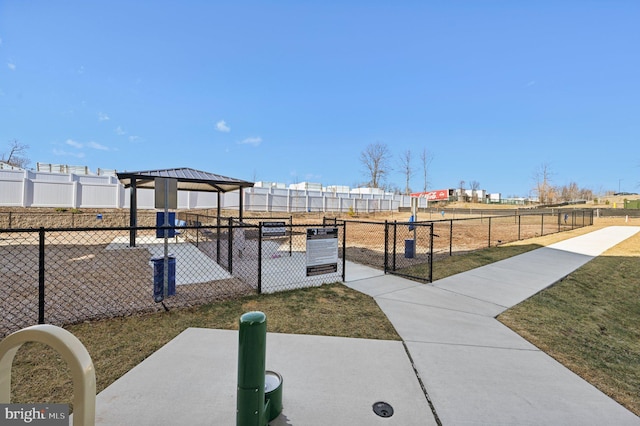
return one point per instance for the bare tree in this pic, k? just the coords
(462, 192)
(569, 192)
(375, 158)
(425, 158)
(16, 154)
(407, 170)
(542, 181)
(474, 185)
(586, 194)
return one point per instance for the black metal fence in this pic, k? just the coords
(67, 275)
(409, 248)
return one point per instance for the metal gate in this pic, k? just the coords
(409, 250)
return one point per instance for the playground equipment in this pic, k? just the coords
(72, 351)
(259, 395)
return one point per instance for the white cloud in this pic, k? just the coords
(221, 126)
(74, 144)
(11, 66)
(96, 145)
(102, 116)
(531, 83)
(255, 141)
(68, 154)
(310, 177)
(119, 131)
(133, 138)
(81, 145)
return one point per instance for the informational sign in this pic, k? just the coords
(437, 195)
(322, 251)
(166, 195)
(273, 229)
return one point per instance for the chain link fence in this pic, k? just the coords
(301, 255)
(406, 247)
(67, 275)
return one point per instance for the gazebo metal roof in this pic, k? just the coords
(188, 180)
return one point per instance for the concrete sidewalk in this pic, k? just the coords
(477, 371)
(192, 380)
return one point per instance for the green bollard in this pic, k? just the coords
(251, 409)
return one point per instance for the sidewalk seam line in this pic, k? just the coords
(534, 349)
(424, 389)
(446, 309)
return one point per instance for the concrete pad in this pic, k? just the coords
(356, 271)
(490, 290)
(384, 284)
(287, 272)
(431, 296)
(545, 260)
(417, 323)
(192, 265)
(326, 381)
(471, 385)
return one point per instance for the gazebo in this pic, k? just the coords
(188, 180)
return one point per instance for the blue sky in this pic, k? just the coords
(294, 91)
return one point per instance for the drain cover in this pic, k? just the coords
(383, 409)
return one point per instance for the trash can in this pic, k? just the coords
(158, 277)
(409, 248)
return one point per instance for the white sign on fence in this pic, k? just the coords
(322, 251)
(273, 229)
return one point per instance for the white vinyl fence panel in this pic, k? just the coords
(25, 188)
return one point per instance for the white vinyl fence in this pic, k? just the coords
(26, 188)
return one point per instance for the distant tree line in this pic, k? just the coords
(548, 193)
(376, 160)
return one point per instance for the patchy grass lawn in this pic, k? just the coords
(590, 322)
(117, 345)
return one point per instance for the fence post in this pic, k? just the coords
(344, 250)
(197, 230)
(431, 252)
(41, 276)
(218, 224)
(290, 235)
(230, 246)
(260, 258)
(386, 246)
(541, 224)
(489, 231)
(519, 219)
(451, 237)
(395, 243)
